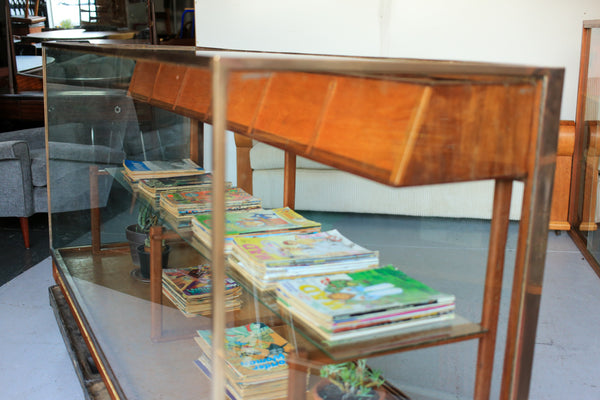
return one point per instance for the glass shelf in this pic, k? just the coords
(408, 338)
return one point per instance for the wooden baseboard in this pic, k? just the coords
(588, 226)
(559, 226)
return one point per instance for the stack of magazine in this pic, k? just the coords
(152, 188)
(265, 260)
(253, 222)
(256, 361)
(136, 170)
(362, 305)
(190, 290)
(322, 280)
(182, 205)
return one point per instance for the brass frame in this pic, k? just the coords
(578, 171)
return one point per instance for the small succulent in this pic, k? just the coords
(354, 380)
(147, 217)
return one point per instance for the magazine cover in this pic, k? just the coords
(253, 350)
(194, 281)
(176, 182)
(259, 220)
(187, 198)
(161, 166)
(338, 295)
(300, 249)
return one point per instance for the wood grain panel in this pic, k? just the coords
(245, 95)
(469, 122)
(397, 132)
(142, 81)
(368, 121)
(195, 95)
(559, 212)
(292, 107)
(167, 85)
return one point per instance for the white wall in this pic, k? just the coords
(534, 32)
(538, 32)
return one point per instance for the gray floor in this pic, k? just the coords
(34, 363)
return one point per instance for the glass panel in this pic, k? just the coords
(588, 211)
(93, 126)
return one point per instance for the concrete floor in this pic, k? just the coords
(35, 364)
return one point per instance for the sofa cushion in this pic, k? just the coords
(35, 137)
(335, 190)
(85, 153)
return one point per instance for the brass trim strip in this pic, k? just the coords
(110, 387)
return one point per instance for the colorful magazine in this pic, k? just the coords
(190, 201)
(253, 352)
(260, 390)
(259, 221)
(358, 293)
(254, 222)
(189, 289)
(170, 183)
(193, 281)
(300, 249)
(159, 168)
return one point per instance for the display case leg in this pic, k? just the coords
(493, 287)
(94, 209)
(297, 375)
(156, 281)
(289, 180)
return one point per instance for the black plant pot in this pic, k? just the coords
(136, 237)
(144, 257)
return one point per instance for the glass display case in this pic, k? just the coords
(115, 112)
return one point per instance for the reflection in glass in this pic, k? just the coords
(588, 212)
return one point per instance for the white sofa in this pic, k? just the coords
(322, 188)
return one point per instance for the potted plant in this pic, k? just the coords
(143, 251)
(349, 381)
(137, 233)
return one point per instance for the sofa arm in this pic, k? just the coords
(15, 179)
(14, 149)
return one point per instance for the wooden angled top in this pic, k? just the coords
(400, 129)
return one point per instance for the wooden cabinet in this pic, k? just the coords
(397, 122)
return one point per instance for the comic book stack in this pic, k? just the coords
(254, 222)
(182, 205)
(362, 305)
(190, 290)
(265, 260)
(136, 170)
(256, 361)
(152, 188)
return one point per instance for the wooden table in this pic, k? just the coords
(75, 34)
(26, 63)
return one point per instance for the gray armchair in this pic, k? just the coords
(23, 177)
